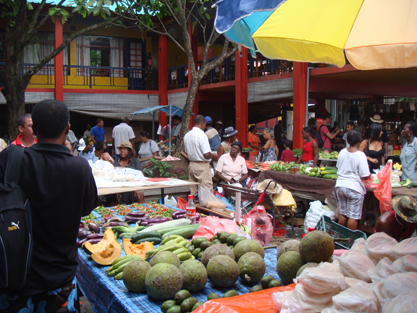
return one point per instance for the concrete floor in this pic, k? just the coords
(85, 306)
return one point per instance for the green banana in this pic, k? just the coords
(170, 238)
(112, 273)
(180, 250)
(119, 276)
(184, 256)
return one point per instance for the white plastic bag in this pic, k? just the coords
(207, 199)
(405, 247)
(356, 265)
(171, 202)
(382, 270)
(379, 246)
(407, 263)
(354, 299)
(334, 266)
(319, 281)
(313, 215)
(404, 303)
(359, 245)
(350, 282)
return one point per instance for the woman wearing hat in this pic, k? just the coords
(408, 155)
(401, 222)
(231, 167)
(126, 159)
(229, 138)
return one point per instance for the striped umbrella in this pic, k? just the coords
(372, 34)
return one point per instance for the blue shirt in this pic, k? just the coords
(98, 133)
(214, 138)
(89, 155)
(408, 159)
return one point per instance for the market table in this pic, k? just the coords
(109, 295)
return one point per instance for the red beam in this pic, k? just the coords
(241, 91)
(227, 83)
(59, 62)
(139, 92)
(299, 104)
(332, 70)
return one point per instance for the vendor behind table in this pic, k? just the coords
(408, 155)
(231, 167)
(310, 154)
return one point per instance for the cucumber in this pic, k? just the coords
(184, 232)
(155, 240)
(329, 176)
(141, 235)
(327, 172)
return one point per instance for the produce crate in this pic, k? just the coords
(336, 230)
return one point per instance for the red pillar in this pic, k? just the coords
(194, 47)
(162, 76)
(299, 101)
(59, 62)
(241, 96)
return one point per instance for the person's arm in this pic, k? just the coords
(299, 159)
(243, 177)
(220, 152)
(114, 148)
(252, 145)
(92, 135)
(220, 175)
(276, 151)
(331, 136)
(363, 145)
(68, 145)
(105, 138)
(90, 192)
(383, 224)
(315, 153)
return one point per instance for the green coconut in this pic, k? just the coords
(302, 268)
(222, 271)
(217, 249)
(194, 275)
(134, 275)
(165, 257)
(251, 267)
(288, 265)
(289, 245)
(317, 246)
(163, 281)
(249, 245)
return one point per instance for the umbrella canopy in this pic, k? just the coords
(373, 34)
(164, 108)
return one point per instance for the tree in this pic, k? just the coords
(155, 15)
(21, 23)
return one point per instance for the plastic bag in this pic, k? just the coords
(359, 245)
(302, 301)
(319, 280)
(355, 264)
(379, 246)
(182, 203)
(334, 266)
(354, 299)
(313, 215)
(405, 247)
(393, 286)
(262, 228)
(171, 202)
(207, 199)
(384, 192)
(407, 263)
(350, 282)
(404, 303)
(211, 225)
(383, 269)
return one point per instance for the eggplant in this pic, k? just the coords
(176, 217)
(144, 223)
(95, 236)
(83, 233)
(80, 242)
(82, 225)
(131, 219)
(94, 227)
(158, 220)
(111, 224)
(114, 219)
(138, 214)
(94, 241)
(176, 213)
(197, 217)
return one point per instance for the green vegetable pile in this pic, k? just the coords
(281, 166)
(297, 152)
(329, 156)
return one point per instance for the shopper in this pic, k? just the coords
(86, 151)
(147, 148)
(325, 133)
(310, 154)
(278, 135)
(229, 137)
(100, 150)
(60, 189)
(287, 155)
(373, 147)
(352, 169)
(384, 137)
(253, 142)
(269, 151)
(408, 155)
(26, 138)
(349, 126)
(231, 167)
(212, 135)
(177, 122)
(97, 132)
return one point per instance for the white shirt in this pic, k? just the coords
(196, 145)
(351, 167)
(122, 132)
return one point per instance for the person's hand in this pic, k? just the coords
(372, 160)
(118, 197)
(113, 153)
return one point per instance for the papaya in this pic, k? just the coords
(108, 237)
(137, 249)
(108, 254)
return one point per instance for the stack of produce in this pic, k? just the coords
(328, 156)
(322, 172)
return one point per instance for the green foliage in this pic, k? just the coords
(160, 167)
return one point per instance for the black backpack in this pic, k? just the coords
(16, 241)
(319, 139)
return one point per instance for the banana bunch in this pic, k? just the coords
(245, 228)
(175, 244)
(117, 267)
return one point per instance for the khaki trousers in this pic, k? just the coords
(200, 173)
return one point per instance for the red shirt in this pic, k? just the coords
(17, 142)
(287, 156)
(308, 151)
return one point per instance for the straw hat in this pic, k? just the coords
(273, 188)
(405, 207)
(126, 144)
(377, 119)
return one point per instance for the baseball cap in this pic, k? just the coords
(81, 145)
(209, 120)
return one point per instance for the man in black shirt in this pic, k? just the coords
(60, 189)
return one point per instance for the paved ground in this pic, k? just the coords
(85, 306)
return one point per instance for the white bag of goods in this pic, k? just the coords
(382, 270)
(359, 245)
(395, 285)
(301, 300)
(319, 281)
(313, 215)
(407, 263)
(356, 265)
(405, 247)
(405, 303)
(354, 299)
(350, 282)
(379, 246)
(334, 266)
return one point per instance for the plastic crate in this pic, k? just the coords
(336, 230)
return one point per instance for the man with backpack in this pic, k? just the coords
(60, 189)
(324, 136)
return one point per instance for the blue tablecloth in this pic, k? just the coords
(109, 295)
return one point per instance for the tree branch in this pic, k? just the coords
(207, 67)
